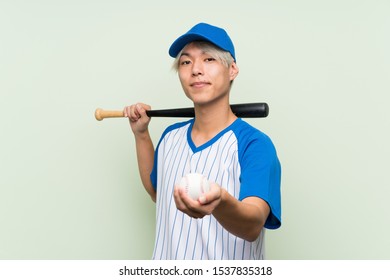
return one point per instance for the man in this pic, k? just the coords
(240, 161)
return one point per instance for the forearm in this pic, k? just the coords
(145, 158)
(244, 219)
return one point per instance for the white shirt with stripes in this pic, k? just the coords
(240, 159)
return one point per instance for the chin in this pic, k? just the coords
(200, 102)
(198, 99)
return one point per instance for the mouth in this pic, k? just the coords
(199, 84)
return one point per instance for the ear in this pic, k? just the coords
(233, 71)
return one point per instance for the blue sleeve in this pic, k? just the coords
(153, 174)
(261, 174)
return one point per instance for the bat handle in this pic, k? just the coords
(101, 114)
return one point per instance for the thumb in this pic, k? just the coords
(142, 108)
(214, 193)
(202, 199)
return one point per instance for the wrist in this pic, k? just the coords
(223, 202)
(141, 135)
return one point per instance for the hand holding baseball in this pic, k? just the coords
(208, 196)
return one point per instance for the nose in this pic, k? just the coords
(197, 68)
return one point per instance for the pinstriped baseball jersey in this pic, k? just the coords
(240, 159)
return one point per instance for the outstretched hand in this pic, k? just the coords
(205, 205)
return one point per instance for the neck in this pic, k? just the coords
(210, 119)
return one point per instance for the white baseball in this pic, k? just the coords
(195, 185)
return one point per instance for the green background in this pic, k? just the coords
(69, 185)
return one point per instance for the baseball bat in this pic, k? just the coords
(244, 110)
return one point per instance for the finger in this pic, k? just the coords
(186, 204)
(212, 195)
(133, 113)
(126, 111)
(141, 109)
(194, 208)
(177, 197)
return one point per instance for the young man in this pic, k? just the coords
(240, 161)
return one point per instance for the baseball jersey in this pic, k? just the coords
(240, 159)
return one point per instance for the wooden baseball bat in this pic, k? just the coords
(244, 110)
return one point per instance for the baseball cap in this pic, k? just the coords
(203, 32)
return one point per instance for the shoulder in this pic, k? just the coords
(248, 134)
(253, 144)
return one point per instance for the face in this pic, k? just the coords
(203, 77)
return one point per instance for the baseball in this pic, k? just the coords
(195, 185)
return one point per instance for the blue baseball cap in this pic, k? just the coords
(203, 32)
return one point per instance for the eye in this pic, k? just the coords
(185, 62)
(210, 59)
